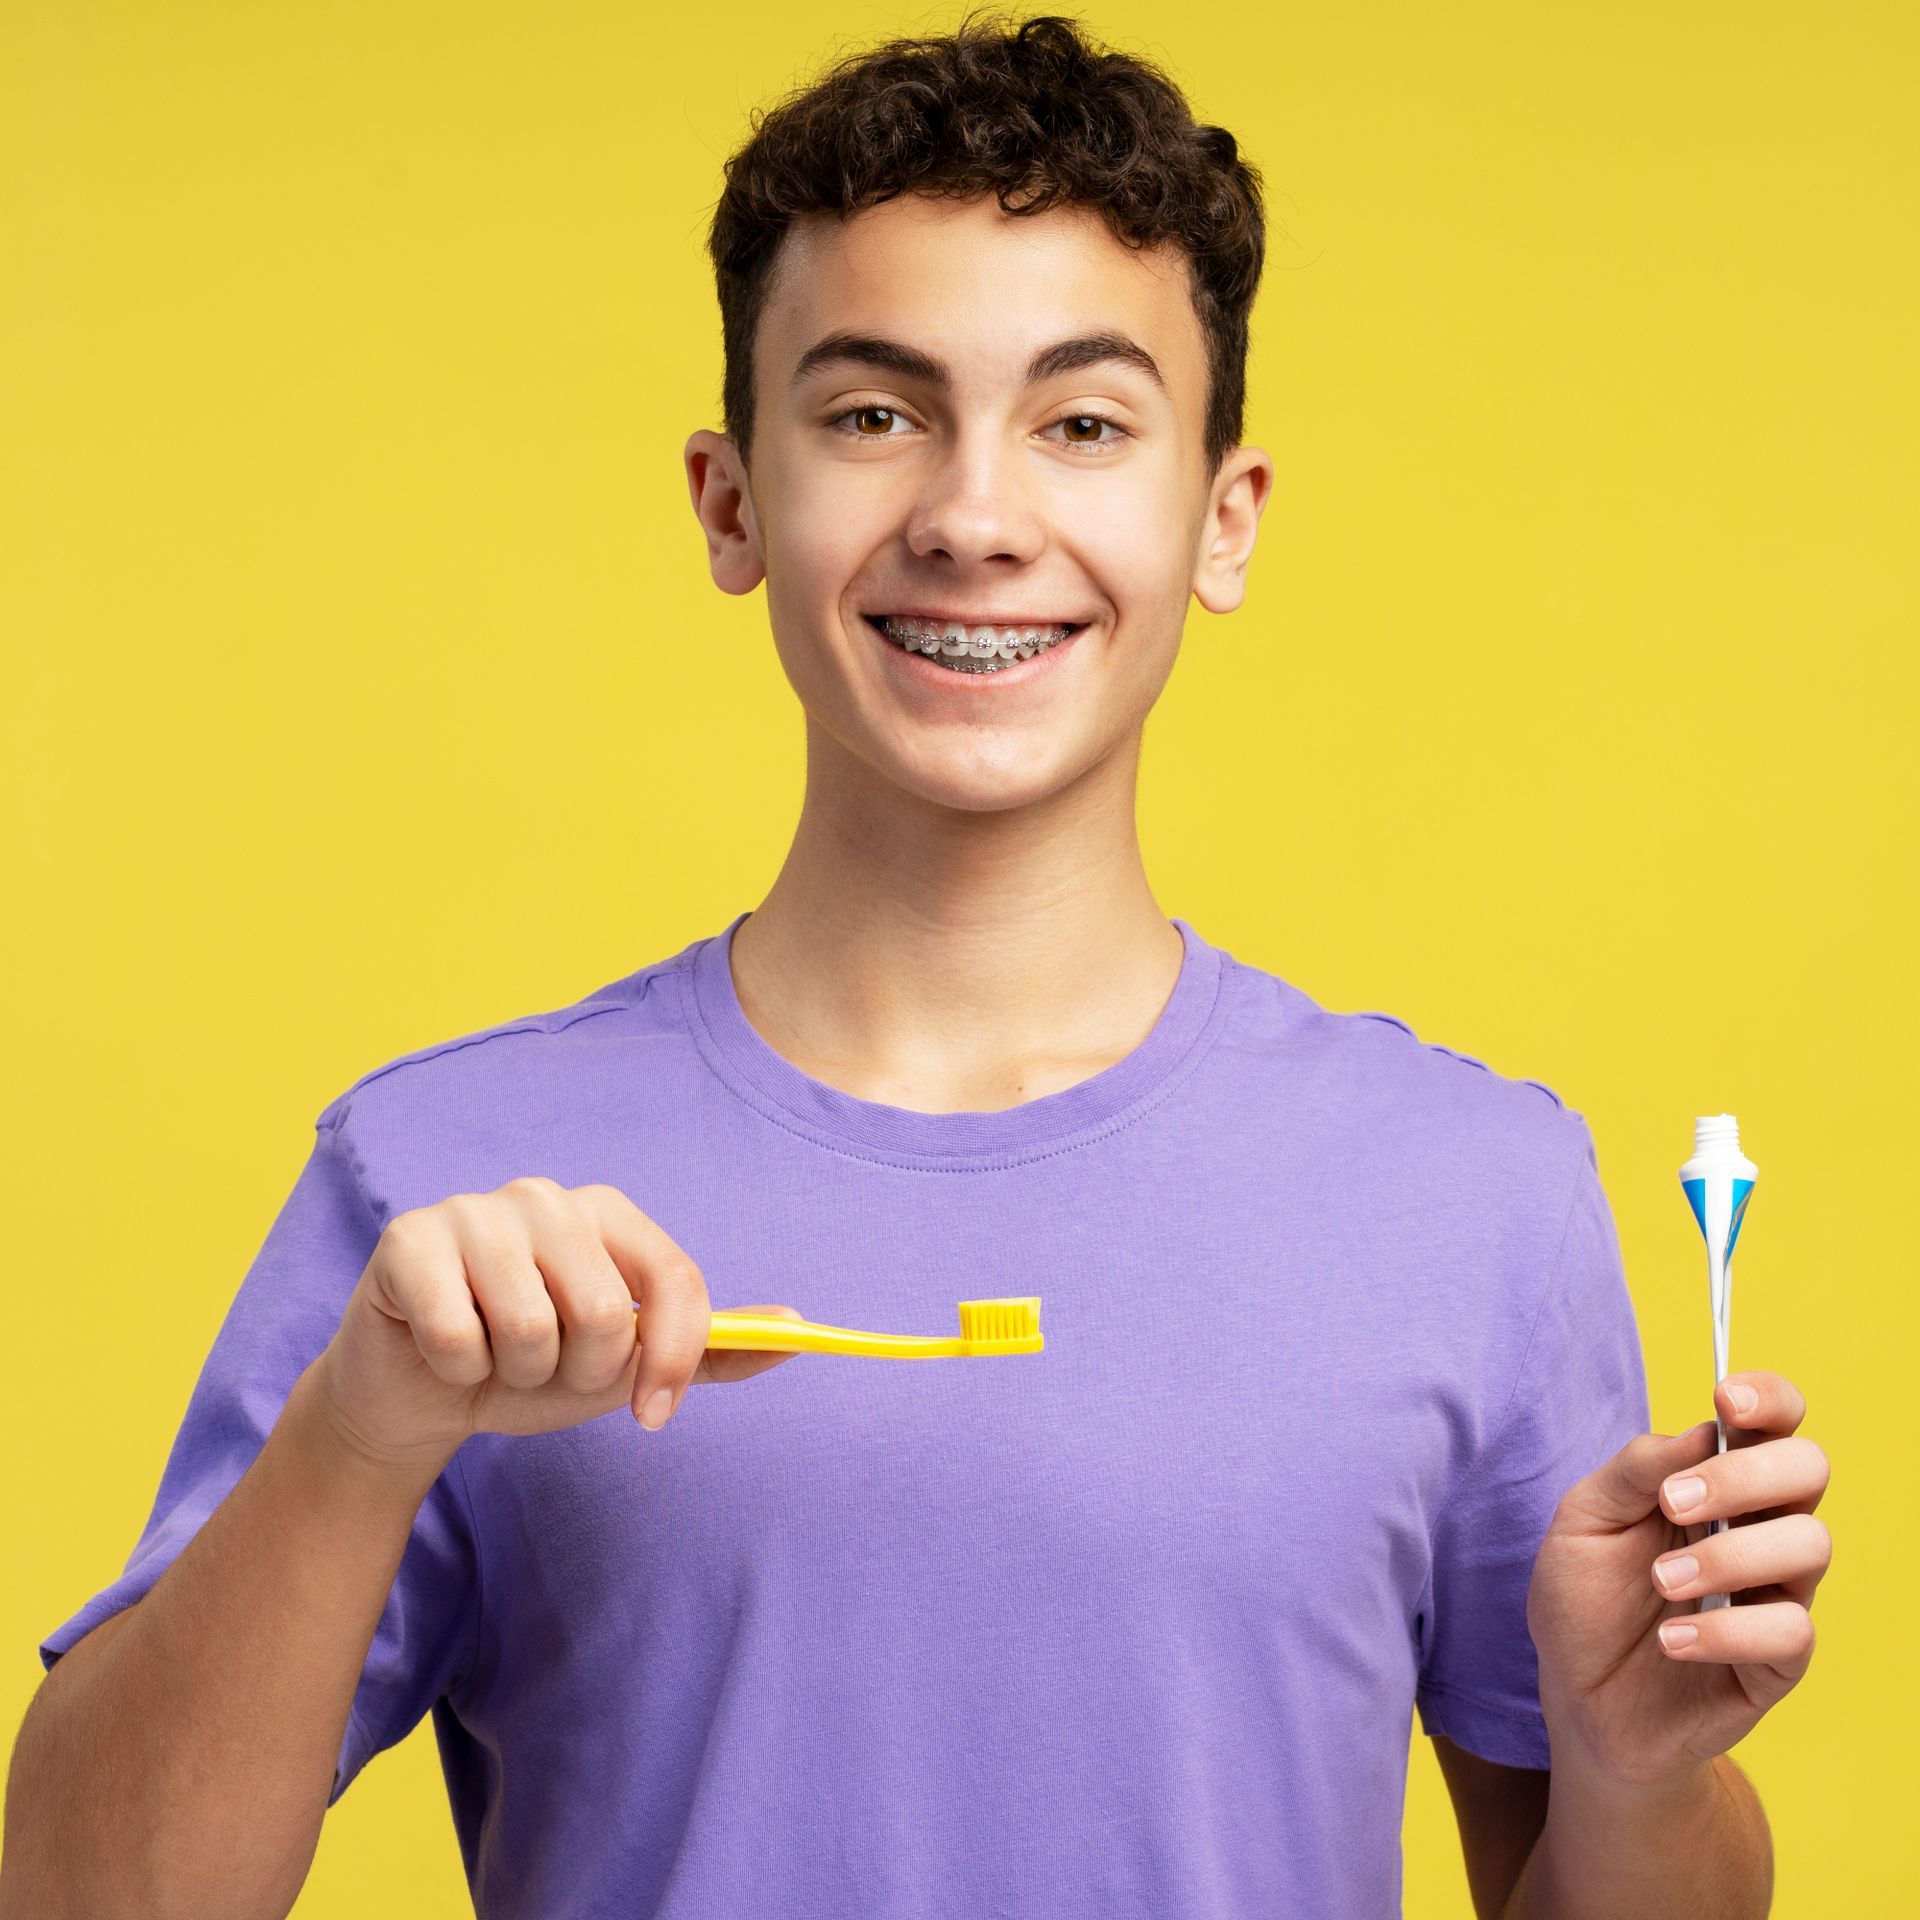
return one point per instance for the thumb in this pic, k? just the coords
(723, 1365)
(1626, 1488)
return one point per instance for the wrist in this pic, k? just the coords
(1608, 1793)
(1585, 1753)
(1684, 1790)
(310, 1426)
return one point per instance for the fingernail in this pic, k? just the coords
(1676, 1634)
(653, 1415)
(1682, 1494)
(1675, 1570)
(1743, 1397)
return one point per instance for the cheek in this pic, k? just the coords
(1130, 546)
(822, 538)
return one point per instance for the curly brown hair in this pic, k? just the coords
(1030, 113)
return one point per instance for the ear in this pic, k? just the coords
(1235, 502)
(723, 504)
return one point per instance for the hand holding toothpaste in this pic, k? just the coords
(1647, 1668)
(1636, 1682)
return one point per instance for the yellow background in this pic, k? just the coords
(364, 683)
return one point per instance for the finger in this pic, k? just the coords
(1626, 1488)
(420, 1278)
(1767, 1404)
(522, 1327)
(588, 1291)
(675, 1313)
(1791, 1553)
(727, 1364)
(1776, 1633)
(1789, 1474)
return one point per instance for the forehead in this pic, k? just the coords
(978, 287)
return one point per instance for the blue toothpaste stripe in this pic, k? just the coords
(1742, 1190)
(1697, 1199)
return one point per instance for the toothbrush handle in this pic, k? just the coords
(1722, 1329)
(817, 1336)
(1717, 1526)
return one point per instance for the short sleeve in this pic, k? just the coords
(285, 1312)
(1579, 1397)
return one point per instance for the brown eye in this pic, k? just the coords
(1083, 430)
(883, 414)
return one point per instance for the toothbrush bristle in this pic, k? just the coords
(982, 1320)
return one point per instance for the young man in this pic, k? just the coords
(1341, 1408)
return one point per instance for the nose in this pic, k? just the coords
(973, 506)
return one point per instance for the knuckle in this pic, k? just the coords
(452, 1351)
(522, 1326)
(439, 1337)
(1817, 1460)
(605, 1315)
(464, 1212)
(676, 1273)
(604, 1200)
(407, 1230)
(1725, 1559)
(600, 1294)
(532, 1186)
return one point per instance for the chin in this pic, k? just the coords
(973, 787)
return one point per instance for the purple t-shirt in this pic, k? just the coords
(1134, 1626)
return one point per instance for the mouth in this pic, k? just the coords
(971, 646)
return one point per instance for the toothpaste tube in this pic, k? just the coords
(1718, 1181)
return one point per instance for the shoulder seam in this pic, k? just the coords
(335, 1130)
(1466, 1059)
(507, 1030)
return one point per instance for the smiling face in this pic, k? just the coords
(978, 420)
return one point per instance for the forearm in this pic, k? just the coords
(184, 1766)
(1696, 1848)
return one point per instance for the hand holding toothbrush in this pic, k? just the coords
(537, 1306)
(1636, 1684)
(524, 1310)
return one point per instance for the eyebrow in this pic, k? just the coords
(910, 363)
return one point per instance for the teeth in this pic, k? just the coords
(978, 649)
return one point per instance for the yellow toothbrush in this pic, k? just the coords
(986, 1326)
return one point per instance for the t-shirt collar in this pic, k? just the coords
(1051, 1123)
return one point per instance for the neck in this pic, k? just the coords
(943, 960)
